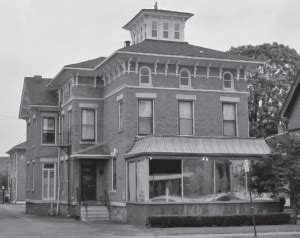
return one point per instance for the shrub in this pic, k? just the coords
(209, 221)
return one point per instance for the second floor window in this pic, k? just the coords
(186, 118)
(145, 117)
(154, 29)
(88, 125)
(48, 133)
(166, 30)
(229, 119)
(114, 173)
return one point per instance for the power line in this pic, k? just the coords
(8, 117)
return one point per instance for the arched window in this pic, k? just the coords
(184, 78)
(145, 75)
(227, 80)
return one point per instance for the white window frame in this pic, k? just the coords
(150, 76)
(95, 125)
(193, 117)
(189, 78)
(54, 187)
(55, 129)
(236, 119)
(34, 131)
(166, 30)
(231, 81)
(153, 29)
(138, 128)
(113, 163)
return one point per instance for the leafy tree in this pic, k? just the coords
(268, 84)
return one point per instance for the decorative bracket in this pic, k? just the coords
(166, 68)
(95, 80)
(246, 73)
(76, 79)
(208, 70)
(137, 65)
(238, 73)
(195, 69)
(155, 66)
(221, 71)
(177, 68)
(129, 64)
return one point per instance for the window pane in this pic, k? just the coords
(229, 111)
(229, 128)
(176, 27)
(145, 79)
(45, 185)
(145, 126)
(184, 74)
(145, 108)
(227, 84)
(48, 137)
(186, 127)
(88, 117)
(185, 110)
(51, 184)
(48, 123)
(88, 132)
(142, 180)
(49, 166)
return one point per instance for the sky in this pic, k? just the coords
(39, 37)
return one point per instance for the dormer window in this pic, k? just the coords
(228, 80)
(184, 78)
(166, 30)
(176, 31)
(154, 29)
(145, 75)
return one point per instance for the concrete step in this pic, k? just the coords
(94, 213)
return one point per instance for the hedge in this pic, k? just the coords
(209, 221)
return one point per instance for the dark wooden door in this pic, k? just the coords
(88, 180)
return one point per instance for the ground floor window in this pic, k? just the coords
(186, 180)
(49, 181)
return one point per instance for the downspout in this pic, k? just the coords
(58, 176)
(16, 194)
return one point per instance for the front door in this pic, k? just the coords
(88, 180)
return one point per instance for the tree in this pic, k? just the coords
(268, 84)
(282, 167)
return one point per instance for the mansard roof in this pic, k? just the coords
(21, 146)
(173, 48)
(289, 100)
(36, 93)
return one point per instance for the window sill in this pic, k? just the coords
(146, 85)
(229, 89)
(185, 87)
(120, 131)
(87, 142)
(113, 191)
(50, 145)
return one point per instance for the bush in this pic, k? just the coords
(209, 221)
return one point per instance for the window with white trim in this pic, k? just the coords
(185, 117)
(114, 173)
(184, 78)
(145, 116)
(166, 30)
(48, 130)
(154, 29)
(229, 119)
(88, 126)
(228, 80)
(121, 116)
(49, 181)
(176, 31)
(145, 75)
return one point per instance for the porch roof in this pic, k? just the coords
(201, 146)
(98, 151)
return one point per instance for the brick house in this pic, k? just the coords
(291, 108)
(159, 124)
(17, 173)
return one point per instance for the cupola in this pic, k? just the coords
(157, 24)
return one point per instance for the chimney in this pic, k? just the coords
(127, 43)
(38, 77)
(155, 6)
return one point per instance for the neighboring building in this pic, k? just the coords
(290, 111)
(3, 172)
(158, 121)
(17, 173)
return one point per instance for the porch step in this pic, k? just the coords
(94, 213)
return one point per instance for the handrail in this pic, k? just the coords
(107, 202)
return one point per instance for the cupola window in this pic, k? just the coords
(176, 31)
(154, 29)
(166, 30)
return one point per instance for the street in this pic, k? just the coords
(14, 223)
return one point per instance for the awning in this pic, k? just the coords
(99, 151)
(201, 146)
